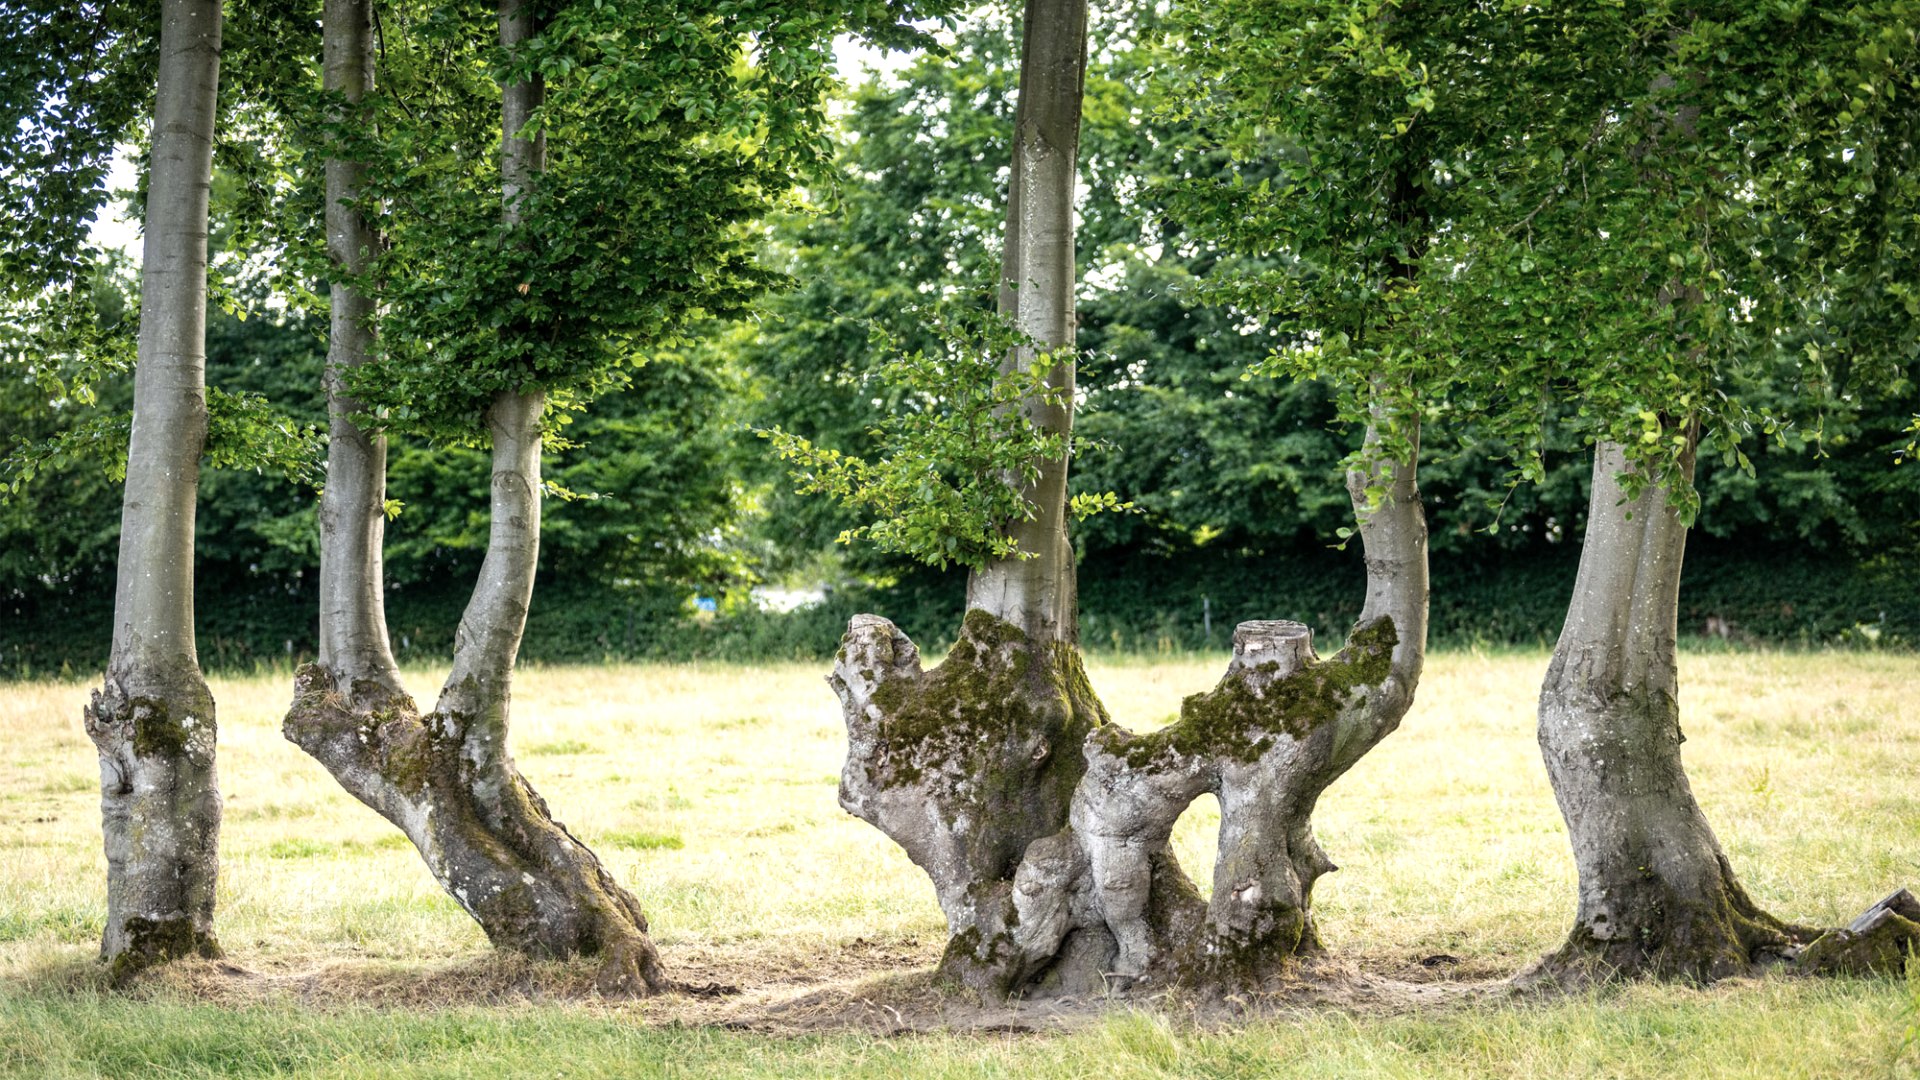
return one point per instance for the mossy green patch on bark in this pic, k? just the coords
(155, 941)
(1882, 950)
(1238, 721)
(164, 729)
(959, 717)
(1663, 935)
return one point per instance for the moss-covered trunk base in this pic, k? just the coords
(485, 834)
(1709, 942)
(1702, 933)
(965, 765)
(1098, 904)
(160, 813)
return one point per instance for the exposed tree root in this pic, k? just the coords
(1740, 940)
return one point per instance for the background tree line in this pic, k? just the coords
(1236, 480)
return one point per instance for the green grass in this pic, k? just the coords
(644, 841)
(709, 791)
(1769, 1030)
(561, 748)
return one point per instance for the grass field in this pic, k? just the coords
(710, 792)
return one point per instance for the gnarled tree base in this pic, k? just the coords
(485, 834)
(1732, 939)
(965, 765)
(1099, 904)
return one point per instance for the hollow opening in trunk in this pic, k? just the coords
(1196, 841)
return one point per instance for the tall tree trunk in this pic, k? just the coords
(965, 765)
(1657, 894)
(1037, 276)
(153, 721)
(448, 779)
(354, 646)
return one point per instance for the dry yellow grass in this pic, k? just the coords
(710, 791)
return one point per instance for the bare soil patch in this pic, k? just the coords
(875, 988)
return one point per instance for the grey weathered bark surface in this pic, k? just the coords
(448, 779)
(1037, 276)
(968, 764)
(1657, 896)
(153, 719)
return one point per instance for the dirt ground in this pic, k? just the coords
(867, 987)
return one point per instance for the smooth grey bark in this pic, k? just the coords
(153, 719)
(448, 779)
(1043, 826)
(1657, 894)
(1099, 903)
(353, 625)
(969, 763)
(1037, 277)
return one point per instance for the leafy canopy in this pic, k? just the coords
(1606, 218)
(671, 129)
(956, 449)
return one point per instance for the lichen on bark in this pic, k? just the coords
(965, 765)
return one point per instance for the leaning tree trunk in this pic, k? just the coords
(152, 722)
(447, 779)
(1657, 894)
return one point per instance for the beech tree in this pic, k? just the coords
(1630, 217)
(152, 720)
(667, 140)
(1777, 243)
(80, 81)
(1043, 825)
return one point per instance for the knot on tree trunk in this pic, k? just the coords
(369, 736)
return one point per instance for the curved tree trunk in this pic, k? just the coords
(1657, 894)
(447, 779)
(152, 722)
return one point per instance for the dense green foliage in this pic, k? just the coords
(1661, 225)
(1236, 480)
